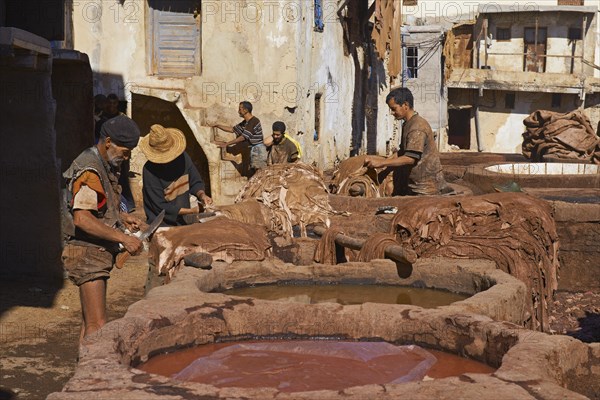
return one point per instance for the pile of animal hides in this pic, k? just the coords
(515, 230)
(222, 238)
(567, 136)
(283, 196)
(354, 179)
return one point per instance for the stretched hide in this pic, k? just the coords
(223, 238)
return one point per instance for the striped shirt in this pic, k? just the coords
(251, 130)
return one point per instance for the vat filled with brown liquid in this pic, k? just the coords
(305, 365)
(349, 294)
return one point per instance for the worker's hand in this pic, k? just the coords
(373, 162)
(132, 244)
(132, 223)
(221, 144)
(187, 211)
(205, 199)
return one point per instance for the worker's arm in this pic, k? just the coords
(87, 222)
(238, 139)
(225, 128)
(380, 162)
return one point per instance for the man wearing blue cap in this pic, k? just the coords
(92, 224)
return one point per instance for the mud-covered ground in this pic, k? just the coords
(38, 346)
(577, 315)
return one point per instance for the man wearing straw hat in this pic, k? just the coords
(169, 176)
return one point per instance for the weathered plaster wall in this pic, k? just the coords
(557, 25)
(451, 12)
(501, 128)
(263, 51)
(430, 96)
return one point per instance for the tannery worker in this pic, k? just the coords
(169, 176)
(419, 170)
(93, 225)
(283, 150)
(249, 129)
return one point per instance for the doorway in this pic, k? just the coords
(147, 111)
(535, 49)
(459, 127)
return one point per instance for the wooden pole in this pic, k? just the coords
(396, 253)
(485, 39)
(583, 26)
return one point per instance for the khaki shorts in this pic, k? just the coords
(86, 263)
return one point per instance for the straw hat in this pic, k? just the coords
(162, 145)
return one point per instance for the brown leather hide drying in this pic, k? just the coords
(568, 136)
(223, 238)
(295, 193)
(515, 230)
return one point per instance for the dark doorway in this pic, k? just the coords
(147, 111)
(459, 127)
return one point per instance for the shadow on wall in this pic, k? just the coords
(369, 77)
(73, 93)
(30, 245)
(147, 111)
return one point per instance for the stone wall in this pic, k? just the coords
(531, 365)
(29, 173)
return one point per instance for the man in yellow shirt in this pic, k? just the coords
(283, 150)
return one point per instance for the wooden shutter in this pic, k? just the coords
(175, 40)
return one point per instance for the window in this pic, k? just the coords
(412, 62)
(319, 25)
(574, 34)
(556, 100)
(174, 37)
(502, 34)
(509, 100)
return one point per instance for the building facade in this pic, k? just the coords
(188, 64)
(506, 64)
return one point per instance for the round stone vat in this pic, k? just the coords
(184, 314)
(346, 294)
(533, 175)
(308, 365)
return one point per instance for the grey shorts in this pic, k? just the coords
(86, 263)
(258, 156)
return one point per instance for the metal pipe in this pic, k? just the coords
(396, 253)
(477, 128)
